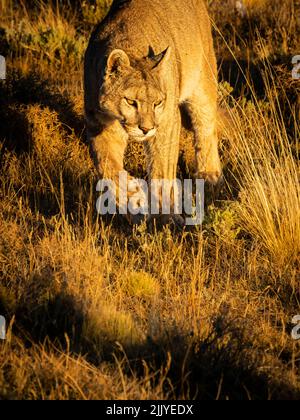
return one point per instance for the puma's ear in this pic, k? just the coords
(117, 60)
(159, 59)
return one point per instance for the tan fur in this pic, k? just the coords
(159, 55)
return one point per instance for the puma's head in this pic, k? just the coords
(133, 93)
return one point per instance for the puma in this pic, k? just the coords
(145, 62)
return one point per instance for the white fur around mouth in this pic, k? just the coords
(137, 136)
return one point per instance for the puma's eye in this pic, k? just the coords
(131, 102)
(158, 104)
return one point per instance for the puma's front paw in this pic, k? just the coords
(214, 177)
(210, 171)
(209, 165)
(137, 204)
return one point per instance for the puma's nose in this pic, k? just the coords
(145, 130)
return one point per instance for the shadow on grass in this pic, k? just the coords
(16, 94)
(220, 366)
(18, 91)
(209, 369)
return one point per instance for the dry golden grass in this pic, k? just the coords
(97, 309)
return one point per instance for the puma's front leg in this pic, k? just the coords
(162, 156)
(203, 112)
(108, 149)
